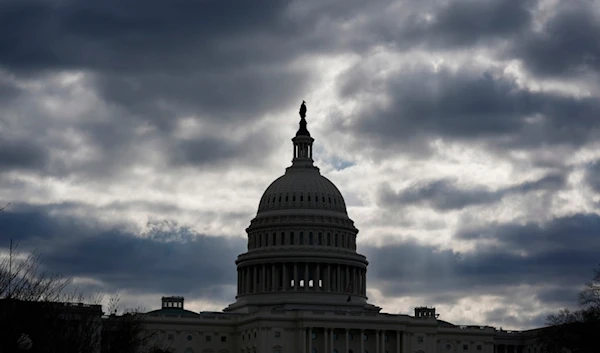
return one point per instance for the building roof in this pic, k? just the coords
(172, 312)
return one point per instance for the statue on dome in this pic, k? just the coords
(303, 110)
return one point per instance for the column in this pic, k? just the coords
(295, 276)
(377, 341)
(306, 277)
(303, 339)
(317, 278)
(383, 341)
(263, 284)
(273, 279)
(331, 341)
(248, 278)
(325, 339)
(347, 343)
(284, 277)
(338, 279)
(310, 340)
(361, 338)
(405, 341)
(347, 279)
(255, 276)
(397, 341)
(328, 282)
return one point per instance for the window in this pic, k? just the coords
(208, 338)
(335, 351)
(277, 350)
(386, 338)
(223, 338)
(274, 239)
(292, 242)
(301, 238)
(277, 334)
(310, 238)
(328, 239)
(254, 334)
(314, 335)
(365, 337)
(320, 239)
(351, 336)
(448, 347)
(336, 240)
(282, 238)
(335, 336)
(420, 339)
(189, 337)
(314, 350)
(478, 347)
(170, 337)
(465, 347)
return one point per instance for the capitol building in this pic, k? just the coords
(302, 286)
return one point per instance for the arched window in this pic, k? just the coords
(282, 238)
(301, 238)
(320, 241)
(310, 238)
(292, 241)
(328, 239)
(274, 239)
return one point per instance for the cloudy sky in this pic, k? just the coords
(136, 138)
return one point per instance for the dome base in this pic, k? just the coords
(300, 301)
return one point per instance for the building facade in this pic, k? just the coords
(302, 286)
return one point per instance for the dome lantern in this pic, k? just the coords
(302, 142)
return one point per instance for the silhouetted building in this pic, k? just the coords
(302, 286)
(40, 326)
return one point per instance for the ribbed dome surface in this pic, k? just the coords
(302, 188)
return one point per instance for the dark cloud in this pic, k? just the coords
(169, 258)
(567, 44)
(487, 108)
(559, 254)
(19, 153)
(126, 35)
(592, 175)
(462, 23)
(576, 232)
(445, 195)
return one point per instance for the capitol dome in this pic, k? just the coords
(302, 188)
(301, 244)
